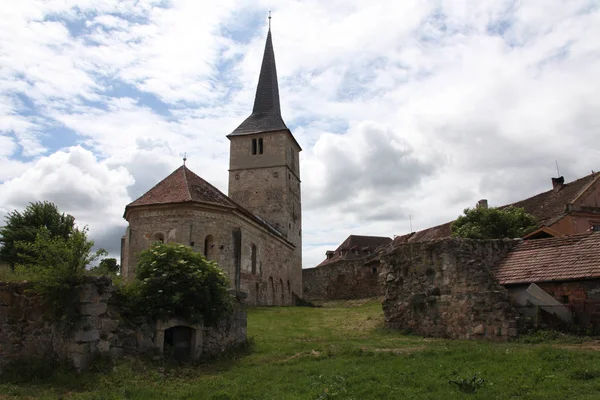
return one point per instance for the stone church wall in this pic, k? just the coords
(343, 279)
(273, 280)
(445, 288)
(28, 331)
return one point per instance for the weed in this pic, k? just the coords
(469, 385)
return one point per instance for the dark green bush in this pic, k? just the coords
(172, 280)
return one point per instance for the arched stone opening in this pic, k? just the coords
(158, 237)
(253, 259)
(178, 343)
(178, 339)
(289, 291)
(272, 290)
(281, 291)
(209, 247)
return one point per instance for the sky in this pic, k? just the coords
(406, 110)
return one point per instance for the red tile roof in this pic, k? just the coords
(553, 259)
(366, 245)
(546, 207)
(184, 186)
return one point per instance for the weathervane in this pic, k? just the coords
(269, 19)
(184, 158)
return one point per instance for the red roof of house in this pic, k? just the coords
(553, 259)
(357, 242)
(184, 186)
(546, 207)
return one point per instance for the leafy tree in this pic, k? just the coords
(107, 267)
(175, 281)
(24, 227)
(493, 223)
(56, 265)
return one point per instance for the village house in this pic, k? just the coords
(255, 232)
(566, 209)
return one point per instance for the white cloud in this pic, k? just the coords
(402, 108)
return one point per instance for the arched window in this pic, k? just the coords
(289, 290)
(272, 289)
(260, 146)
(253, 257)
(209, 247)
(158, 237)
(282, 291)
(253, 146)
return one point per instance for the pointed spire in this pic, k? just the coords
(266, 114)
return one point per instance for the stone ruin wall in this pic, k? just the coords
(445, 288)
(27, 331)
(343, 279)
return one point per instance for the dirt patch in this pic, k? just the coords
(396, 351)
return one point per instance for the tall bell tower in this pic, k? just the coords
(264, 164)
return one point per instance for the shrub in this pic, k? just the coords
(493, 223)
(174, 281)
(55, 265)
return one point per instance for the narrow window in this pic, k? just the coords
(260, 146)
(253, 256)
(374, 271)
(209, 245)
(253, 146)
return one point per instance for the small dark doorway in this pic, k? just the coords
(178, 343)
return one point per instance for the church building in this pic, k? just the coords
(255, 232)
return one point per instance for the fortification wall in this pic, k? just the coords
(29, 330)
(445, 288)
(343, 279)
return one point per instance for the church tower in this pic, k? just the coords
(264, 164)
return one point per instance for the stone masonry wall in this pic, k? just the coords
(445, 288)
(27, 329)
(277, 274)
(343, 279)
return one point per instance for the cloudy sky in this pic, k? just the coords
(402, 108)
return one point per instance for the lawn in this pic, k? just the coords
(341, 351)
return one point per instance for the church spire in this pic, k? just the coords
(266, 114)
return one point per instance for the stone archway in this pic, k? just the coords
(182, 340)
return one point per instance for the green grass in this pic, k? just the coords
(341, 351)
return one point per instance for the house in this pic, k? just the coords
(565, 267)
(355, 247)
(348, 272)
(566, 209)
(255, 231)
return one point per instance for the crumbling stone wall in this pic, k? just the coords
(445, 288)
(28, 330)
(343, 279)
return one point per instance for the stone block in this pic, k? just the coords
(6, 298)
(93, 309)
(87, 336)
(103, 346)
(109, 325)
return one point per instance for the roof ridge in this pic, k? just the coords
(587, 186)
(185, 180)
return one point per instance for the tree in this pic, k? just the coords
(24, 227)
(175, 281)
(108, 267)
(493, 223)
(56, 266)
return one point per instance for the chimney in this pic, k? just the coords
(558, 183)
(482, 203)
